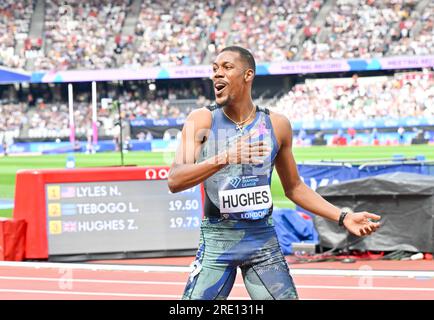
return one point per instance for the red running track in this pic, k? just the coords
(164, 279)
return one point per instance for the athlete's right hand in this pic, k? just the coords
(243, 151)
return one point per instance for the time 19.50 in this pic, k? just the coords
(179, 205)
(184, 222)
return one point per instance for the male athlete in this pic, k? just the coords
(232, 146)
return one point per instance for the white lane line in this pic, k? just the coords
(86, 293)
(365, 288)
(144, 268)
(112, 294)
(72, 279)
(363, 273)
(179, 283)
(94, 267)
(131, 282)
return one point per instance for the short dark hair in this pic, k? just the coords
(244, 54)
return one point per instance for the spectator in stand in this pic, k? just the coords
(352, 133)
(5, 146)
(401, 137)
(374, 137)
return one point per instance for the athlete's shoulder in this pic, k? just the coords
(282, 128)
(199, 113)
(280, 120)
(201, 117)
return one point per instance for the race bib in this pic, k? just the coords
(245, 197)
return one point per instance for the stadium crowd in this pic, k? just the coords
(14, 116)
(360, 29)
(416, 43)
(405, 95)
(15, 16)
(171, 33)
(408, 94)
(51, 119)
(89, 35)
(81, 35)
(268, 27)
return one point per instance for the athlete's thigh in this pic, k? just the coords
(269, 281)
(212, 277)
(210, 283)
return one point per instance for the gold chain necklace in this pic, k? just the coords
(240, 123)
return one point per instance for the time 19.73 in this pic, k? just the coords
(184, 222)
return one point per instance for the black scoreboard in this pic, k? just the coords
(121, 216)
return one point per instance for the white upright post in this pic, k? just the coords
(94, 114)
(71, 115)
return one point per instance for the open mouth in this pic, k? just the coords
(219, 87)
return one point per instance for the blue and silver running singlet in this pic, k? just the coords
(238, 229)
(239, 191)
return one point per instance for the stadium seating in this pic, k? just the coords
(420, 39)
(360, 29)
(404, 95)
(173, 32)
(170, 33)
(267, 28)
(14, 26)
(409, 94)
(90, 35)
(13, 119)
(48, 119)
(81, 35)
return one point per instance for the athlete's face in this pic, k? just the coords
(231, 77)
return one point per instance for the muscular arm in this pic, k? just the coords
(295, 189)
(185, 172)
(359, 223)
